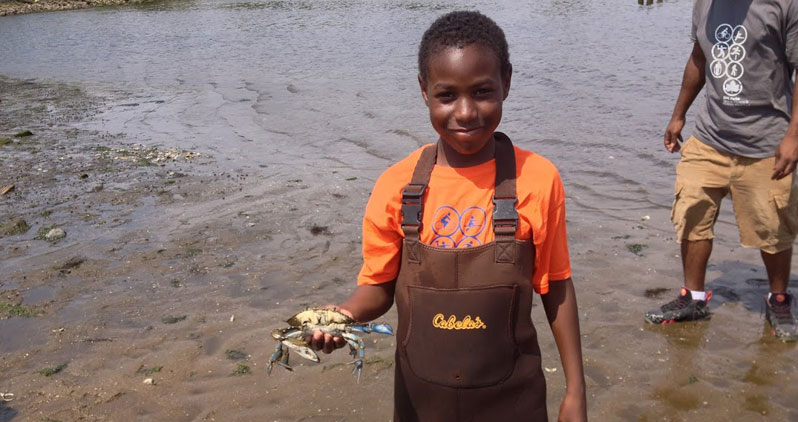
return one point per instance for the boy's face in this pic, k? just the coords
(464, 91)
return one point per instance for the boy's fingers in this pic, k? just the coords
(317, 342)
(329, 345)
(339, 342)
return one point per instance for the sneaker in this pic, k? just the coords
(683, 308)
(778, 311)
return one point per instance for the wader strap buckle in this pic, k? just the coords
(505, 223)
(412, 207)
(504, 215)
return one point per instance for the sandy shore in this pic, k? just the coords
(14, 7)
(158, 303)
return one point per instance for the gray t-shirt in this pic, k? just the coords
(751, 47)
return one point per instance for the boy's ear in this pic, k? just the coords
(423, 85)
(506, 81)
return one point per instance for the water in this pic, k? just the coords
(275, 86)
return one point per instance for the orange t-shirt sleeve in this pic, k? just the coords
(382, 232)
(552, 261)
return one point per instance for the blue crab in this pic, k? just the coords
(329, 321)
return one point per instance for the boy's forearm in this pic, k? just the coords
(692, 82)
(563, 316)
(369, 302)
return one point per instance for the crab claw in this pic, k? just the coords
(373, 328)
(382, 329)
(276, 357)
(302, 348)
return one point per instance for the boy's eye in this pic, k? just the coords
(483, 91)
(445, 96)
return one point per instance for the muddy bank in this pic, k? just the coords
(13, 7)
(160, 298)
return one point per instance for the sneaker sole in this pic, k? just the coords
(783, 339)
(673, 321)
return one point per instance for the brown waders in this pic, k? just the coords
(467, 349)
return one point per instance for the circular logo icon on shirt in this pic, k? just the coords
(472, 221)
(446, 221)
(732, 87)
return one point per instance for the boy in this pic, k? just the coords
(461, 233)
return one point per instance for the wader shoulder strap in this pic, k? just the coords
(505, 217)
(413, 200)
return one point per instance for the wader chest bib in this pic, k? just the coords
(467, 349)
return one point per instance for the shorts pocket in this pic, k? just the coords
(787, 208)
(676, 209)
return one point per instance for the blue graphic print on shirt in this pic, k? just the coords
(454, 229)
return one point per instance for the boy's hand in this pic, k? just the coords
(573, 408)
(327, 342)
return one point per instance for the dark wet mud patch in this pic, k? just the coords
(684, 397)
(14, 227)
(173, 319)
(23, 134)
(70, 264)
(317, 230)
(636, 248)
(17, 310)
(756, 403)
(235, 354)
(656, 292)
(148, 371)
(52, 370)
(242, 369)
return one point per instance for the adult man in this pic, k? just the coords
(745, 144)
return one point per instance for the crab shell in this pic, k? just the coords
(316, 317)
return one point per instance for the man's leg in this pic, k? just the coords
(766, 216)
(695, 255)
(702, 180)
(778, 268)
(778, 304)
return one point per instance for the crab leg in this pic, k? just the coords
(358, 349)
(278, 356)
(290, 340)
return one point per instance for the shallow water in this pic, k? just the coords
(333, 83)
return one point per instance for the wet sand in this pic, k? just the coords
(172, 265)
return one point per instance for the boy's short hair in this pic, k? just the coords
(460, 29)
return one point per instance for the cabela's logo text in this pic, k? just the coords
(451, 323)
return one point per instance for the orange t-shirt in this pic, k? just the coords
(458, 211)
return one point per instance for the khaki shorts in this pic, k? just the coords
(766, 210)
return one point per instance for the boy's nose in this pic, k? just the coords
(465, 110)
